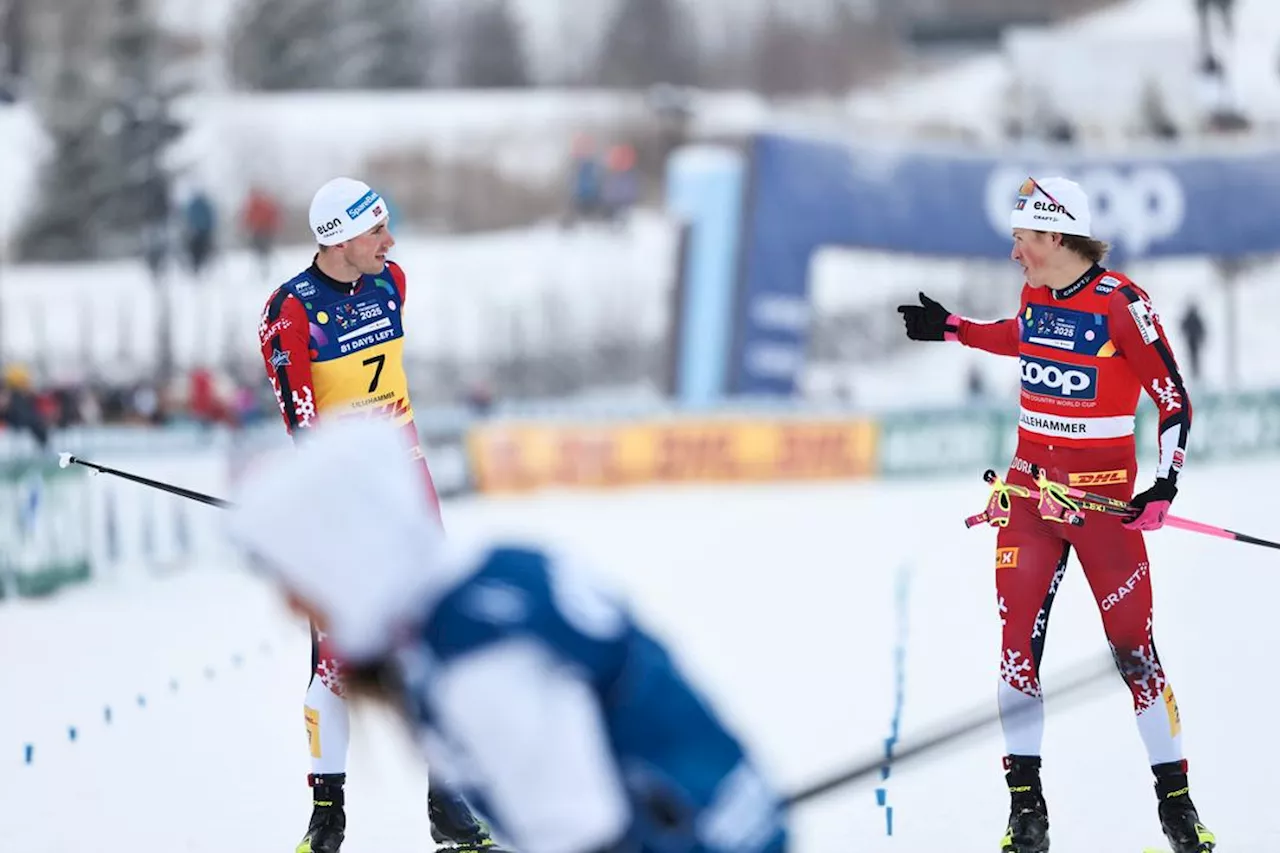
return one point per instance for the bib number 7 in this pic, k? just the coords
(377, 361)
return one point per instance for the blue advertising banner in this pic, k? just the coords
(806, 194)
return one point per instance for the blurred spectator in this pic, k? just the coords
(1194, 332)
(157, 232)
(200, 221)
(976, 384)
(87, 409)
(147, 409)
(621, 183)
(480, 398)
(18, 406)
(587, 179)
(1155, 114)
(247, 404)
(261, 221)
(205, 405)
(1204, 11)
(1217, 98)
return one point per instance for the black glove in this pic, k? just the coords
(1157, 498)
(927, 321)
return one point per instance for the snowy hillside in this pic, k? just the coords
(467, 296)
(1143, 41)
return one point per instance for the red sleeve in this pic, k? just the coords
(397, 277)
(1001, 337)
(285, 337)
(1139, 338)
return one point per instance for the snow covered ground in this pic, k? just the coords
(781, 602)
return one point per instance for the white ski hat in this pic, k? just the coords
(1052, 204)
(345, 208)
(366, 551)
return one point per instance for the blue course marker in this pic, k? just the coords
(902, 600)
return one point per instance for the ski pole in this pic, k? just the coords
(66, 459)
(1114, 506)
(1117, 507)
(1221, 532)
(1072, 691)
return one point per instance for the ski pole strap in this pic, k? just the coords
(1055, 501)
(1000, 504)
(1091, 501)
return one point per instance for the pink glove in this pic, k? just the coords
(1150, 507)
(1151, 517)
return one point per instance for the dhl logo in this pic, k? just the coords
(1098, 478)
(1006, 558)
(394, 411)
(1171, 707)
(313, 731)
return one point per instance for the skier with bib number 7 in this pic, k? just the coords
(332, 341)
(1089, 343)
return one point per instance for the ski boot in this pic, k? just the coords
(1178, 817)
(1028, 829)
(454, 828)
(328, 820)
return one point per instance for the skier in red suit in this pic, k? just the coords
(1088, 343)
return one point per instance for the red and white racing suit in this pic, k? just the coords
(1086, 352)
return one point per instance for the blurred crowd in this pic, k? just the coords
(194, 229)
(606, 181)
(202, 397)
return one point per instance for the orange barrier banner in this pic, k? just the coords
(517, 457)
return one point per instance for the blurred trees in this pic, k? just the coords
(781, 48)
(649, 42)
(282, 45)
(106, 188)
(491, 47)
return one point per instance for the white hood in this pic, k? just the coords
(343, 522)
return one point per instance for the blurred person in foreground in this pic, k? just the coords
(332, 342)
(1089, 343)
(599, 743)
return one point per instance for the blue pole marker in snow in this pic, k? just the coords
(238, 660)
(902, 600)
